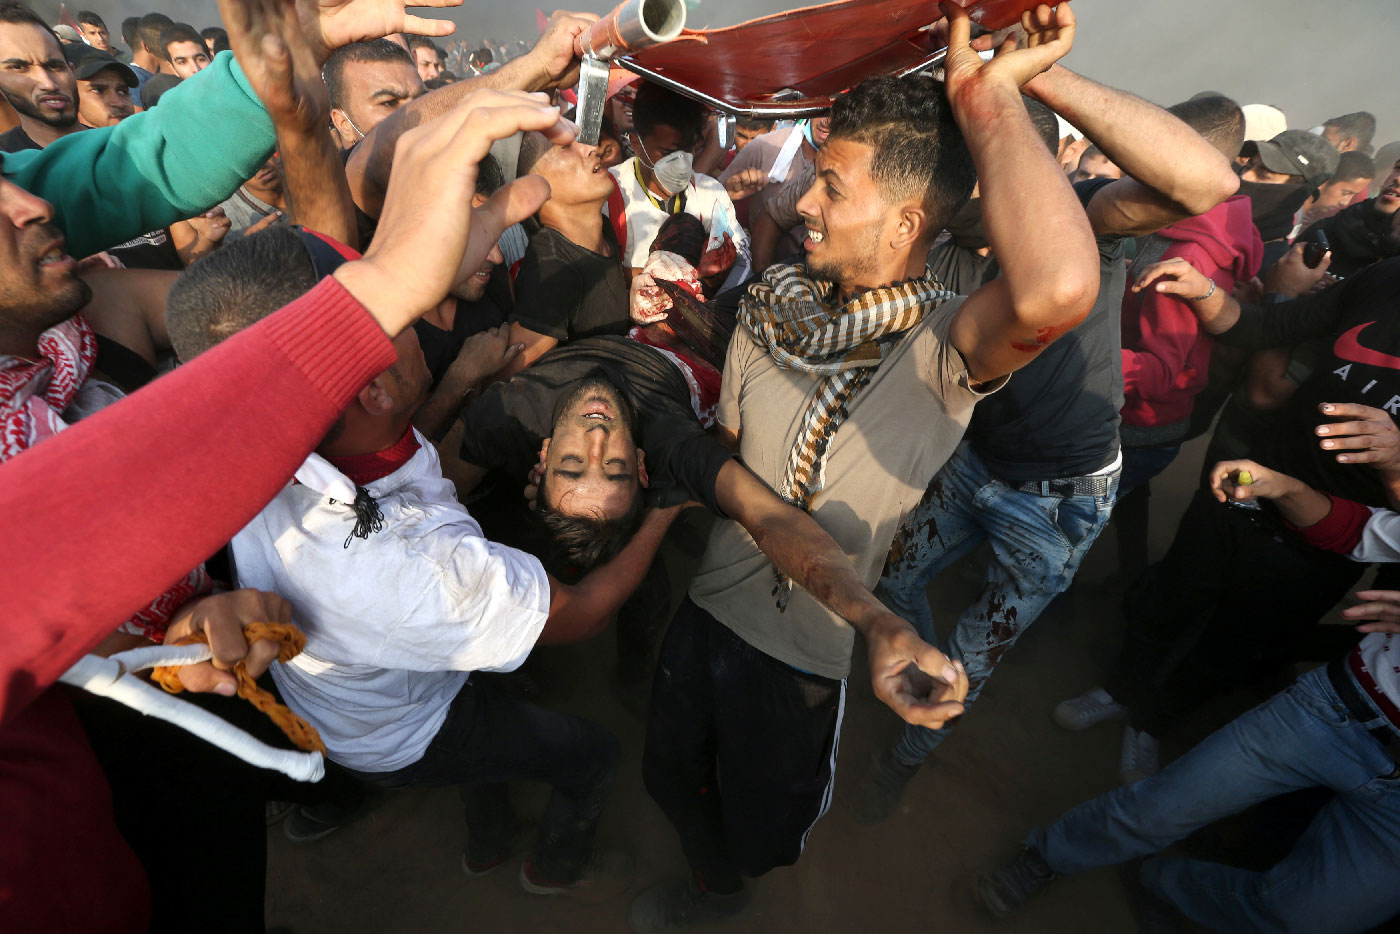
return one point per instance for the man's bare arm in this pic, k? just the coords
(580, 611)
(1157, 189)
(1035, 224)
(913, 678)
(550, 64)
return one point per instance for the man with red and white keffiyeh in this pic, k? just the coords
(46, 354)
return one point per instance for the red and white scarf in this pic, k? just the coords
(34, 393)
(33, 397)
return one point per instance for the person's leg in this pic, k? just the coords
(156, 770)
(1176, 596)
(490, 738)
(1299, 738)
(1280, 589)
(1130, 515)
(678, 761)
(940, 530)
(1342, 875)
(1038, 543)
(778, 733)
(943, 528)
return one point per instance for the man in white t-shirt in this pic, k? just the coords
(658, 182)
(402, 597)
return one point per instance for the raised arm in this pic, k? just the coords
(1034, 222)
(913, 678)
(152, 169)
(1252, 327)
(131, 476)
(550, 64)
(1133, 134)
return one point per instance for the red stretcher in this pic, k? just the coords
(792, 64)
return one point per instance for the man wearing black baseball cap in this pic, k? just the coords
(1281, 174)
(104, 88)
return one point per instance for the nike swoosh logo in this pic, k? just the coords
(1349, 348)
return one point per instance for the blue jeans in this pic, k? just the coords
(1342, 875)
(1037, 545)
(1142, 464)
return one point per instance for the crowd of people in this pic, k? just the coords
(310, 320)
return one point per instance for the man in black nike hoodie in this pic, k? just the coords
(1239, 592)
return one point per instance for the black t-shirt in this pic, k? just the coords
(16, 140)
(1058, 415)
(1358, 362)
(154, 250)
(492, 310)
(507, 424)
(568, 293)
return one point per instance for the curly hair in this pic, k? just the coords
(919, 151)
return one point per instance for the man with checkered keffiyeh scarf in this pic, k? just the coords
(789, 314)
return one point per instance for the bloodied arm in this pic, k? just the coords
(912, 677)
(1034, 221)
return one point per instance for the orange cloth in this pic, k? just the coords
(292, 640)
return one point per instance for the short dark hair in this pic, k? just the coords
(155, 88)
(657, 106)
(180, 32)
(423, 42)
(376, 50)
(236, 286)
(750, 122)
(89, 18)
(1045, 123)
(918, 149)
(533, 147)
(131, 27)
(489, 177)
(1218, 119)
(583, 541)
(148, 30)
(1361, 125)
(12, 11)
(1352, 165)
(218, 35)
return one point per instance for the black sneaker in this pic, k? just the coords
(882, 788)
(312, 822)
(1003, 891)
(607, 875)
(680, 904)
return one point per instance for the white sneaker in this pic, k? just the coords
(1140, 756)
(1082, 712)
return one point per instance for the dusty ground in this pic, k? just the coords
(1007, 768)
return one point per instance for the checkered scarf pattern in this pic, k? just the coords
(791, 315)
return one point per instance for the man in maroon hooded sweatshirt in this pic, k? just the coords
(1166, 353)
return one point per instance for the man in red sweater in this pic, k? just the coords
(1166, 354)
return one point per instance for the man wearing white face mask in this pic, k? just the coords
(658, 182)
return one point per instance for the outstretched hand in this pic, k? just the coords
(1368, 436)
(1174, 276)
(1382, 607)
(1046, 36)
(913, 678)
(280, 59)
(331, 24)
(1227, 481)
(420, 251)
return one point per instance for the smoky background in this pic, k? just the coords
(1311, 60)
